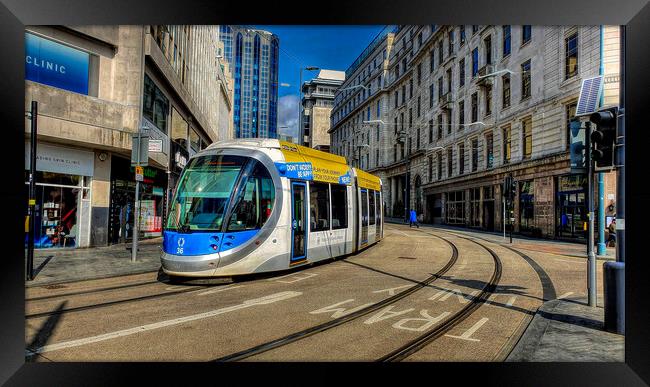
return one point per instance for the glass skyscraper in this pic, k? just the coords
(253, 58)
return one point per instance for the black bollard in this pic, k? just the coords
(614, 287)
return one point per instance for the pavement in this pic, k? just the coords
(568, 330)
(61, 265)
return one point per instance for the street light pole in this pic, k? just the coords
(32, 199)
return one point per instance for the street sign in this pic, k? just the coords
(155, 145)
(139, 173)
(143, 144)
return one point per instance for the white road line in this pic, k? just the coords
(305, 276)
(391, 291)
(162, 324)
(511, 301)
(219, 290)
(565, 295)
(467, 335)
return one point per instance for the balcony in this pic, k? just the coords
(481, 79)
(446, 100)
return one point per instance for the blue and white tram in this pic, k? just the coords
(258, 205)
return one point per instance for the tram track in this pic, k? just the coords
(341, 320)
(112, 303)
(92, 291)
(423, 340)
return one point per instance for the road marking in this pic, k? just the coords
(304, 277)
(462, 264)
(162, 324)
(428, 321)
(219, 290)
(468, 333)
(565, 295)
(391, 291)
(403, 233)
(511, 301)
(386, 313)
(339, 312)
(443, 295)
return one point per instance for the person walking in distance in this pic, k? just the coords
(413, 219)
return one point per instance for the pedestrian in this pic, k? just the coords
(612, 233)
(414, 219)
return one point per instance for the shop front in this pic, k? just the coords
(62, 195)
(571, 208)
(153, 201)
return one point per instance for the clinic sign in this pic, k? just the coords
(55, 64)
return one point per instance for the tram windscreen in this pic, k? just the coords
(202, 195)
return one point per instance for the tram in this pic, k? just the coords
(261, 205)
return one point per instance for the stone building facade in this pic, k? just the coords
(111, 82)
(469, 105)
(317, 103)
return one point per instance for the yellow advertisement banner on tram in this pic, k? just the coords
(310, 164)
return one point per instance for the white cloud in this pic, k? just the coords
(288, 115)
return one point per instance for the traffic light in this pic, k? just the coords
(509, 188)
(603, 138)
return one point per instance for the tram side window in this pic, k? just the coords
(253, 206)
(339, 206)
(319, 206)
(371, 206)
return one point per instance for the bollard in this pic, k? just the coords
(614, 287)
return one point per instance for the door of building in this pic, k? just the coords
(298, 221)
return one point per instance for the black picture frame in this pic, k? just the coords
(16, 14)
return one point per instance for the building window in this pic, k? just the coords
(461, 73)
(431, 95)
(474, 107)
(449, 80)
(449, 161)
(440, 55)
(439, 165)
(410, 88)
(505, 80)
(432, 63)
(450, 41)
(506, 41)
(571, 58)
(525, 80)
(419, 100)
(526, 33)
(474, 154)
(431, 131)
(439, 126)
(488, 100)
(488, 50)
(461, 158)
(339, 206)
(570, 113)
(419, 73)
(474, 29)
(417, 140)
(527, 136)
(507, 146)
(461, 115)
(489, 151)
(462, 36)
(430, 160)
(449, 115)
(440, 89)
(526, 205)
(156, 105)
(455, 207)
(396, 98)
(474, 62)
(319, 204)
(403, 94)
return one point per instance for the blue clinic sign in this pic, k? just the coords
(56, 64)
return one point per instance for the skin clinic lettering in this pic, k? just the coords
(36, 62)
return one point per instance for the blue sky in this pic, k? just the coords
(327, 47)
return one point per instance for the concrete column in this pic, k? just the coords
(100, 201)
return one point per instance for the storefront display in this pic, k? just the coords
(571, 208)
(59, 194)
(152, 201)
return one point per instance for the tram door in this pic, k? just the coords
(298, 221)
(377, 215)
(364, 216)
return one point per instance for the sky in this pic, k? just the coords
(326, 47)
